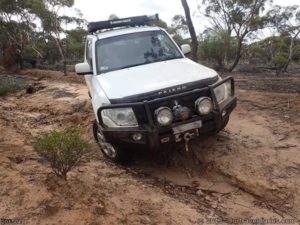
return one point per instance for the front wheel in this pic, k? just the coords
(111, 152)
(224, 124)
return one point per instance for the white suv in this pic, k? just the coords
(144, 91)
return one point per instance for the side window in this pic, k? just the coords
(89, 52)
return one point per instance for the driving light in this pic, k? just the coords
(119, 117)
(203, 105)
(164, 116)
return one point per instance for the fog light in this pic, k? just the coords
(164, 116)
(203, 105)
(137, 136)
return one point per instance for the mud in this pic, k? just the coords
(249, 170)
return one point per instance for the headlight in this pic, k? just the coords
(222, 92)
(203, 105)
(119, 117)
(164, 116)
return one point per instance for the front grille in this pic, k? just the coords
(184, 100)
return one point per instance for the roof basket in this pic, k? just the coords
(130, 21)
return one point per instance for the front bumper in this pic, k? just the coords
(154, 136)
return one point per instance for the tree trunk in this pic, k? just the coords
(191, 30)
(62, 54)
(286, 65)
(226, 58)
(237, 57)
(291, 53)
(22, 56)
(21, 61)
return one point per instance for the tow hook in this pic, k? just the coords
(187, 137)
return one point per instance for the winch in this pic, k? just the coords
(181, 113)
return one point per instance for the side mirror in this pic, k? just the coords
(186, 49)
(83, 68)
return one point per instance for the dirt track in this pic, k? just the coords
(249, 170)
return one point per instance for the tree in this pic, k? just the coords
(239, 18)
(177, 29)
(160, 23)
(75, 43)
(17, 27)
(217, 46)
(287, 21)
(113, 17)
(53, 21)
(21, 38)
(191, 30)
(265, 51)
(178, 25)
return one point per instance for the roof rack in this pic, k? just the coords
(130, 21)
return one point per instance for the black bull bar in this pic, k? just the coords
(146, 104)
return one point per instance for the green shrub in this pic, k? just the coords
(9, 85)
(63, 150)
(298, 84)
(280, 59)
(218, 47)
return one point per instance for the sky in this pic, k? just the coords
(97, 10)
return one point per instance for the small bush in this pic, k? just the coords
(9, 85)
(280, 59)
(63, 150)
(298, 84)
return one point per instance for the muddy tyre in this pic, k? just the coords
(224, 124)
(113, 153)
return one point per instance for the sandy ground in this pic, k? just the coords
(249, 170)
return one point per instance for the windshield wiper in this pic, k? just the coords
(124, 67)
(173, 57)
(144, 63)
(133, 65)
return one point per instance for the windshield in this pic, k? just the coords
(134, 49)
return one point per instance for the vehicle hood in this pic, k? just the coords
(153, 77)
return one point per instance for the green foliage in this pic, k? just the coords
(160, 23)
(296, 56)
(176, 30)
(62, 149)
(179, 40)
(18, 21)
(233, 22)
(9, 85)
(113, 17)
(280, 59)
(218, 47)
(238, 18)
(30, 54)
(264, 51)
(257, 54)
(178, 25)
(75, 43)
(297, 84)
(286, 20)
